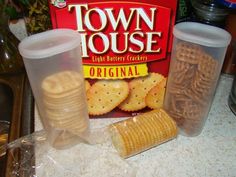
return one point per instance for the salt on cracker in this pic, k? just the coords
(105, 95)
(139, 87)
(155, 96)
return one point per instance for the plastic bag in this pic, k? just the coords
(39, 159)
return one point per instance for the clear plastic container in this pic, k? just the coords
(197, 55)
(54, 67)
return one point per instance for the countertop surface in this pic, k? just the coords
(211, 154)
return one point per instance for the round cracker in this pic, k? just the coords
(105, 95)
(139, 87)
(122, 141)
(62, 82)
(118, 141)
(87, 85)
(155, 97)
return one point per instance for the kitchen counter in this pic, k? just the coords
(212, 153)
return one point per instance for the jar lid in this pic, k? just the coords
(209, 8)
(202, 34)
(49, 43)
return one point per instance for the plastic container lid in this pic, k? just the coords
(202, 34)
(49, 43)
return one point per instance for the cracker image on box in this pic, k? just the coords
(87, 85)
(139, 133)
(105, 95)
(63, 95)
(139, 88)
(155, 96)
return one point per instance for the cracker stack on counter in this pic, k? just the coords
(63, 93)
(134, 135)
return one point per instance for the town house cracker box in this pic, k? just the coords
(126, 49)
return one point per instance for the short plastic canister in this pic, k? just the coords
(197, 56)
(54, 67)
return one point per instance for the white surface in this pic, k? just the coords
(211, 154)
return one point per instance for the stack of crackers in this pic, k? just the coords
(192, 78)
(64, 102)
(136, 134)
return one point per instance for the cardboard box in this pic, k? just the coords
(121, 41)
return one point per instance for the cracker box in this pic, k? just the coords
(125, 49)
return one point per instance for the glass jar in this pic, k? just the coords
(229, 66)
(10, 58)
(232, 97)
(209, 12)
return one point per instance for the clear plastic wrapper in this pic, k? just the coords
(100, 154)
(142, 132)
(39, 159)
